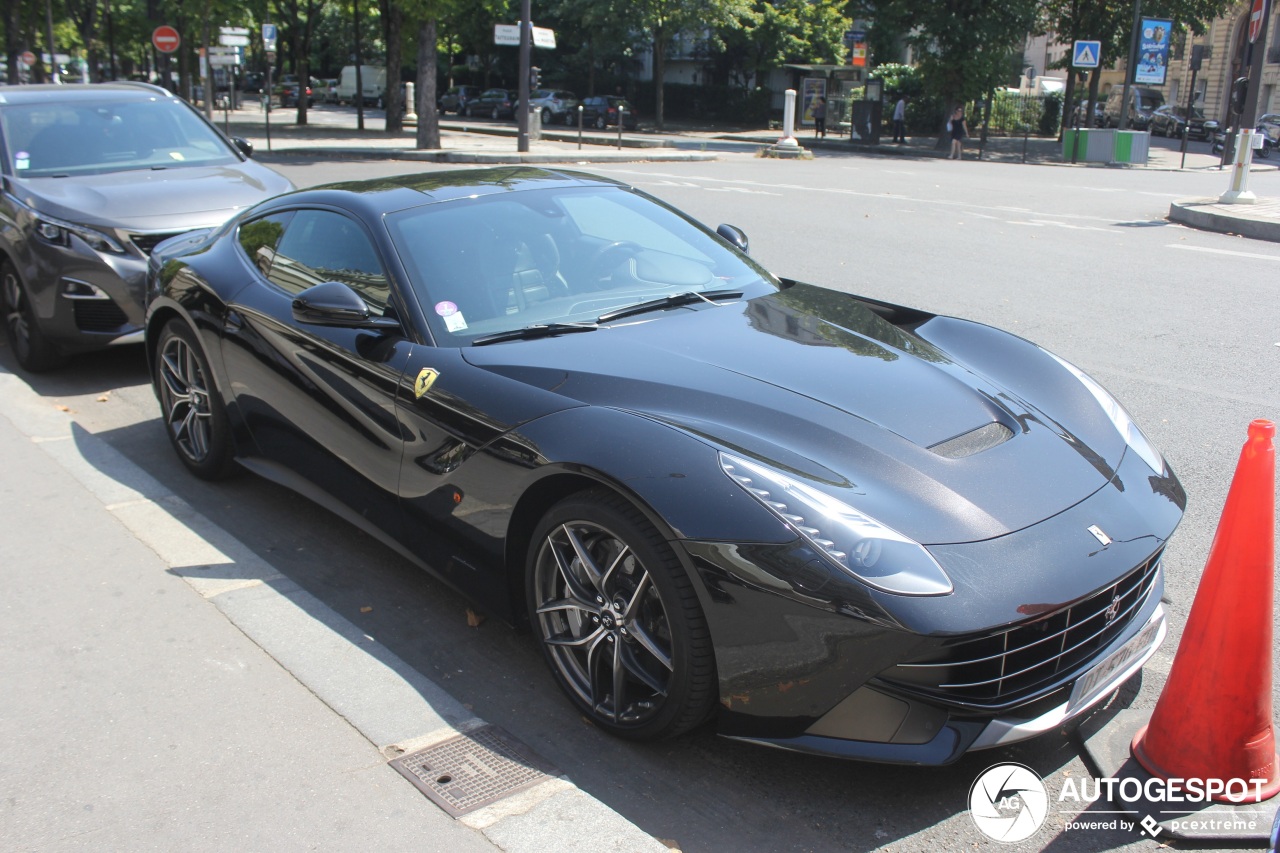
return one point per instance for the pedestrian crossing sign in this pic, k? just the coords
(1086, 54)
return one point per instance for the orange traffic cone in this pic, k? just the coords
(1213, 718)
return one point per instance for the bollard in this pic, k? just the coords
(789, 121)
(410, 104)
(1238, 192)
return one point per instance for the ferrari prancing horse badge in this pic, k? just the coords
(426, 378)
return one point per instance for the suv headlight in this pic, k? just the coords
(58, 232)
(875, 554)
(1124, 424)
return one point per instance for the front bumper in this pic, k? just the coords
(813, 661)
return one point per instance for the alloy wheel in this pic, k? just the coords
(604, 623)
(185, 399)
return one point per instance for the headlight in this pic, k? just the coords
(877, 555)
(1124, 424)
(59, 233)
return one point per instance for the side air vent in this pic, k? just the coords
(983, 438)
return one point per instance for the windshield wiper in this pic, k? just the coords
(672, 301)
(537, 330)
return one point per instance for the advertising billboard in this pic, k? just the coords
(1153, 52)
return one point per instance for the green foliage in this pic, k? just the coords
(765, 34)
(962, 45)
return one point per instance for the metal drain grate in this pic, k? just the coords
(472, 770)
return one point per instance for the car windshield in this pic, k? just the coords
(57, 139)
(508, 261)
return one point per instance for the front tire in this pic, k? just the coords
(194, 415)
(35, 352)
(618, 619)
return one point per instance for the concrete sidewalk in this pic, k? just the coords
(165, 689)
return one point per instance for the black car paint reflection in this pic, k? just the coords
(876, 424)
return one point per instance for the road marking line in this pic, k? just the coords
(841, 191)
(1224, 252)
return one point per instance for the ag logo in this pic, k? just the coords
(1008, 802)
(426, 378)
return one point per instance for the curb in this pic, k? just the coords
(492, 158)
(1208, 215)
(394, 706)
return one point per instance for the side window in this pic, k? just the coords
(320, 246)
(260, 237)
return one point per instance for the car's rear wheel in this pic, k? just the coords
(34, 351)
(495, 114)
(194, 416)
(618, 619)
(600, 125)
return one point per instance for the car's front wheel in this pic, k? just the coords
(194, 416)
(34, 351)
(618, 619)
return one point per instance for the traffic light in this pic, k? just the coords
(535, 77)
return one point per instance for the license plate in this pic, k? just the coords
(1091, 683)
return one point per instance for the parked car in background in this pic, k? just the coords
(602, 111)
(373, 85)
(96, 176)
(288, 90)
(494, 103)
(1170, 120)
(1078, 115)
(456, 98)
(327, 92)
(252, 82)
(555, 105)
(1142, 103)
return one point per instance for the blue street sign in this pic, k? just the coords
(1086, 54)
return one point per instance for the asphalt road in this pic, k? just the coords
(1181, 325)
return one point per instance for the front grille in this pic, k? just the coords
(98, 315)
(1001, 669)
(147, 242)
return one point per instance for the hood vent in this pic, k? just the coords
(983, 438)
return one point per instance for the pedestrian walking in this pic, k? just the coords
(900, 120)
(820, 117)
(958, 132)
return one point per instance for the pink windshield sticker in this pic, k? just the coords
(446, 309)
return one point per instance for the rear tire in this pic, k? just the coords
(35, 352)
(618, 619)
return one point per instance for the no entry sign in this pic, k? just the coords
(166, 39)
(1257, 15)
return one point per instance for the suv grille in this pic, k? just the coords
(147, 242)
(1005, 668)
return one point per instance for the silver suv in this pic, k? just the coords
(95, 177)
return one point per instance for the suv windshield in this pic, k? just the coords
(83, 138)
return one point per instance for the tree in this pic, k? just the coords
(663, 20)
(769, 33)
(963, 45)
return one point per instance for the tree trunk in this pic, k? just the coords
(659, 71)
(393, 21)
(428, 119)
(12, 43)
